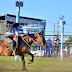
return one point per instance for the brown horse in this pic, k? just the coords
(24, 44)
(5, 51)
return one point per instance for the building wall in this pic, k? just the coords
(2, 26)
(35, 25)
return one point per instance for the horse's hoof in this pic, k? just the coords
(30, 62)
(24, 69)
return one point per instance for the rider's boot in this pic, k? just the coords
(14, 52)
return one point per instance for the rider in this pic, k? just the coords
(14, 31)
(27, 30)
(57, 40)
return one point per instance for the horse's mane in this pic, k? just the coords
(43, 39)
(31, 35)
(21, 43)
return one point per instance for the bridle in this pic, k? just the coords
(41, 41)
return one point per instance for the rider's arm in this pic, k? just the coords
(21, 30)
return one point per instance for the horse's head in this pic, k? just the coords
(41, 40)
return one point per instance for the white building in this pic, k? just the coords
(35, 25)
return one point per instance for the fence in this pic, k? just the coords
(53, 50)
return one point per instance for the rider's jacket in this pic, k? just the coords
(16, 31)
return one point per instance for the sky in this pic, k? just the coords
(49, 10)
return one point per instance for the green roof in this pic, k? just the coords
(68, 42)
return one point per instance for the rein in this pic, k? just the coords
(41, 41)
(26, 42)
(32, 40)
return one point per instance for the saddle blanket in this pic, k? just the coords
(8, 47)
(8, 39)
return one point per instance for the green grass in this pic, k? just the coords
(41, 64)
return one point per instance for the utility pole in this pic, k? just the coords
(54, 29)
(53, 40)
(62, 33)
(58, 29)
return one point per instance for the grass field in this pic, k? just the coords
(41, 64)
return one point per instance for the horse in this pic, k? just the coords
(24, 44)
(5, 48)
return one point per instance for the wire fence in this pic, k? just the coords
(53, 49)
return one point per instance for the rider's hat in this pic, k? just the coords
(16, 25)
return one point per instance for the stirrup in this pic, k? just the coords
(16, 46)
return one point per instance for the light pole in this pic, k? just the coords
(18, 15)
(62, 33)
(18, 5)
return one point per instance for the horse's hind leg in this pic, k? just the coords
(23, 61)
(31, 61)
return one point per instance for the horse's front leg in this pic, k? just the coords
(23, 61)
(31, 61)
